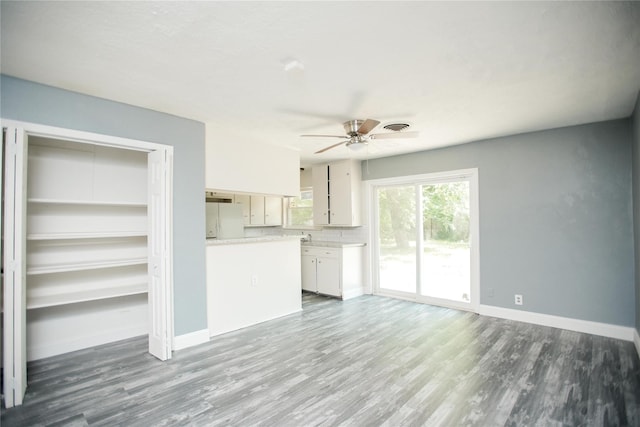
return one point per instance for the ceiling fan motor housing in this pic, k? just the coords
(351, 127)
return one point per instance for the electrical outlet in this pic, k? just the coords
(254, 280)
(518, 299)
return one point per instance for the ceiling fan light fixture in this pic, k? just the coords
(357, 145)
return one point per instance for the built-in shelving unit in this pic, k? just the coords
(86, 243)
(86, 203)
(49, 290)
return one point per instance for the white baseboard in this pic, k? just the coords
(246, 325)
(586, 326)
(636, 341)
(180, 342)
(352, 293)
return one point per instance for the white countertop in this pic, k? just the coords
(211, 242)
(327, 244)
(314, 243)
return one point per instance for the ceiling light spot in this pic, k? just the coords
(293, 65)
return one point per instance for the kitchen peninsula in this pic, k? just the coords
(251, 280)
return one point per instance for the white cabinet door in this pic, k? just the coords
(340, 193)
(245, 201)
(320, 180)
(257, 210)
(272, 210)
(309, 273)
(328, 276)
(336, 193)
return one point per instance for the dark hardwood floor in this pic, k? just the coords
(369, 361)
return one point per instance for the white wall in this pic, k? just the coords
(237, 165)
(249, 283)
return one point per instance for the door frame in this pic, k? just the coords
(14, 356)
(372, 187)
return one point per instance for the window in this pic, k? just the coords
(300, 209)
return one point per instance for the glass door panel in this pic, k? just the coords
(397, 238)
(446, 251)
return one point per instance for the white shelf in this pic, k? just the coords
(84, 266)
(87, 245)
(71, 236)
(86, 296)
(87, 202)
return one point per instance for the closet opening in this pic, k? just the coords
(87, 246)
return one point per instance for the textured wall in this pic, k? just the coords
(555, 217)
(31, 102)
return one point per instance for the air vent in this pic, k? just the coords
(396, 126)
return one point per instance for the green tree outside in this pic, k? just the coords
(445, 213)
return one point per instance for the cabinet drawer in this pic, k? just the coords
(323, 252)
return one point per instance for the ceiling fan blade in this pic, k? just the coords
(367, 126)
(324, 136)
(395, 135)
(331, 146)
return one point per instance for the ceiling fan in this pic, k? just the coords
(357, 134)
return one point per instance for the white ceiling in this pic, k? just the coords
(455, 71)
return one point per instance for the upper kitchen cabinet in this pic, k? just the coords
(272, 210)
(260, 210)
(245, 201)
(336, 194)
(257, 210)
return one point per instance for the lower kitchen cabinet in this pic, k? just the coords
(334, 271)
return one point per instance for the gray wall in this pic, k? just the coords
(555, 217)
(636, 203)
(31, 102)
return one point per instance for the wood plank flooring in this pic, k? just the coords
(370, 361)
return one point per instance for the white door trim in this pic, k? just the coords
(35, 129)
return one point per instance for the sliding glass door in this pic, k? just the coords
(446, 253)
(426, 238)
(396, 238)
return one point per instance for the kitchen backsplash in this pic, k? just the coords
(344, 235)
